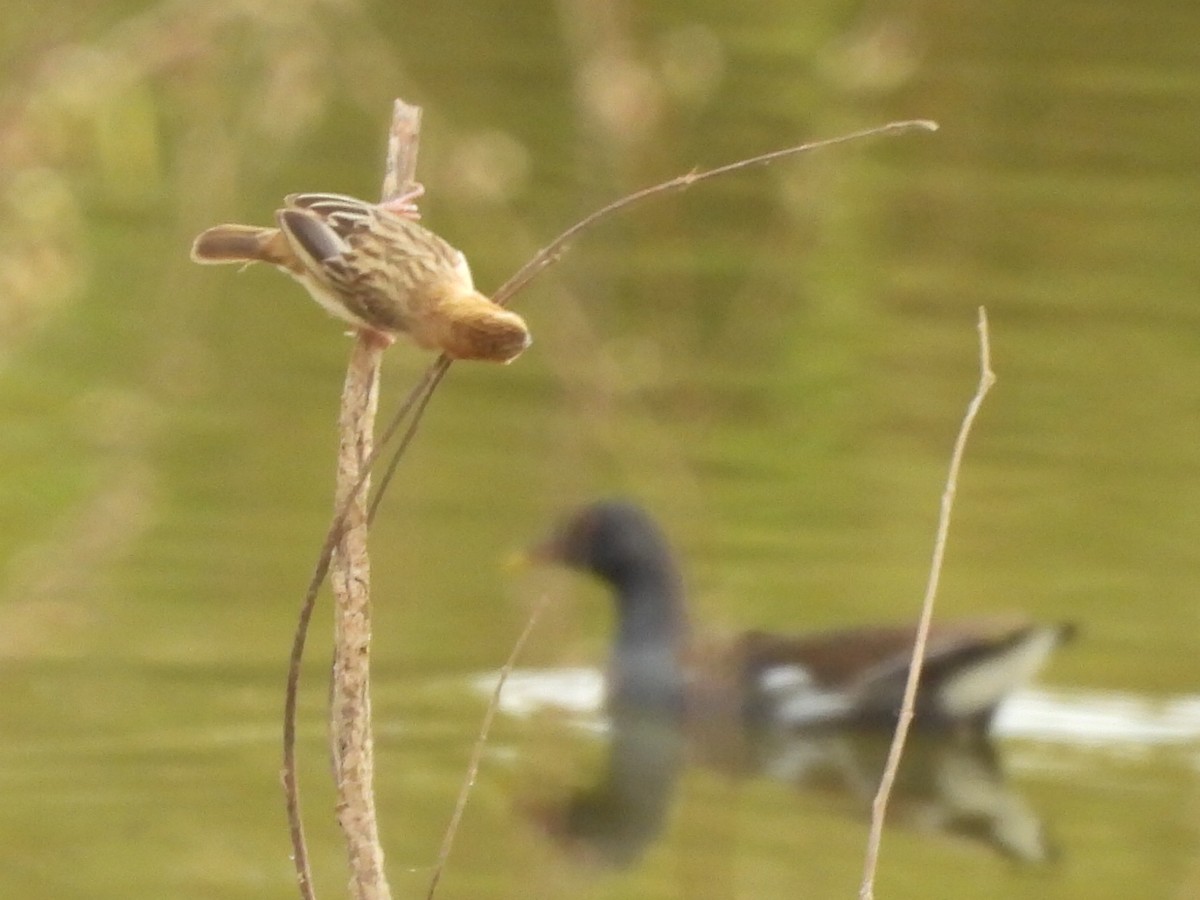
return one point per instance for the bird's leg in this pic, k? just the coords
(405, 204)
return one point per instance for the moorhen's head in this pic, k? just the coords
(612, 539)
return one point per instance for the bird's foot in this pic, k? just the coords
(405, 204)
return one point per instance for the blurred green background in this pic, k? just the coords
(775, 363)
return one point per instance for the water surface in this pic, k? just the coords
(776, 364)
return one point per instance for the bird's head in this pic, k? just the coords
(470, 326)
(612, 539)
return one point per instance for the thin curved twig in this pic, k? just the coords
(417, 403)
(480, 742)
(549, 254)
(552, 251)
(879, 807)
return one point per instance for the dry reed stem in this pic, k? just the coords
(419, 393)
(879, 807)
(404, 140)
(351, 741)
(345, 551)
(480, 742)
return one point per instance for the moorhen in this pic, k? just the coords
(847, 677)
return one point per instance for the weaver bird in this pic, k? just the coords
(373, 266)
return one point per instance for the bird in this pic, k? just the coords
(373, 266)
(848, 677)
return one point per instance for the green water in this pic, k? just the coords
(775, 363)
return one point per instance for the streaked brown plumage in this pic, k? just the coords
(377, 269)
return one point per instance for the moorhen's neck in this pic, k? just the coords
(646, 669)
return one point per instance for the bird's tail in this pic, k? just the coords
(241, 244)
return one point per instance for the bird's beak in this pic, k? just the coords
(518, 561)
(542, 553)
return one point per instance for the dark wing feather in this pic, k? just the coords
(331, 204)
(315, 238)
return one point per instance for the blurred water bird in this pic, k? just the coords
(852, 676)
(373, 266)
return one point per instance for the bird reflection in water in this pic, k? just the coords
(949, 785)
